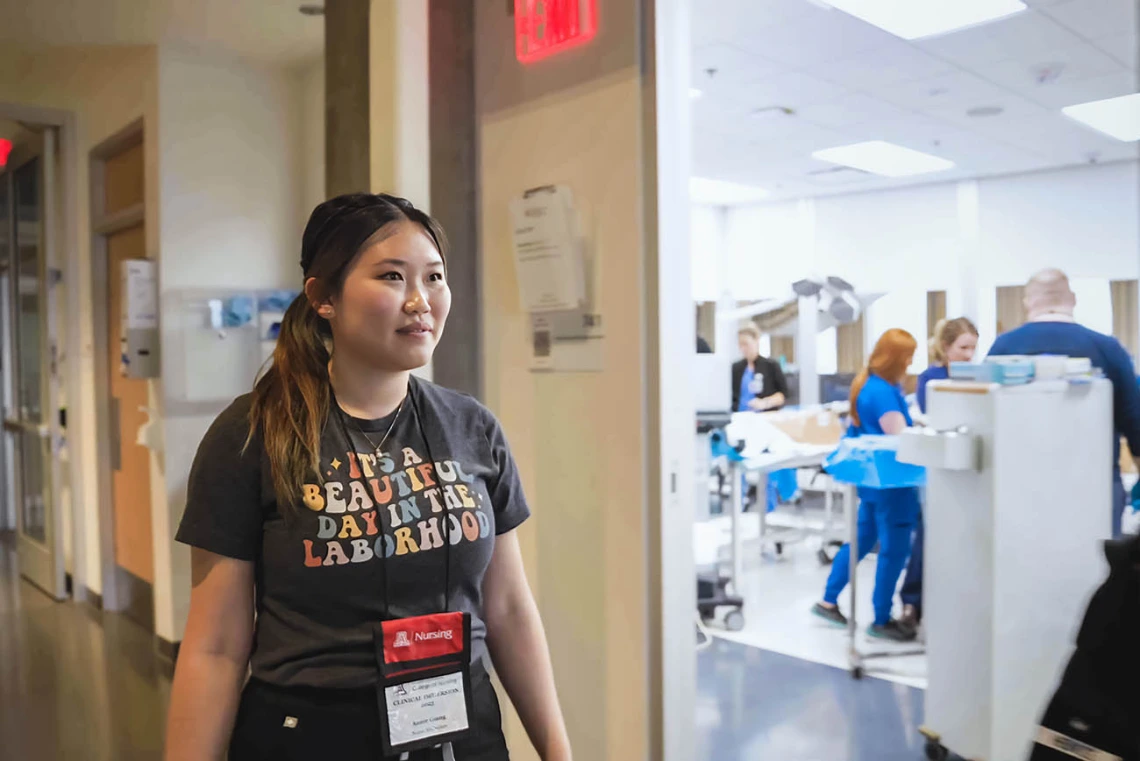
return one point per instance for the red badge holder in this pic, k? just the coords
(424, 689)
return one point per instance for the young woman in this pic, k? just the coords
(953, 341)
(367, 518)
(886, 516)
(758, 383)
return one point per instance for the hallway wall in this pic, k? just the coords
(107, 88)
(233, 166)
(579, 438)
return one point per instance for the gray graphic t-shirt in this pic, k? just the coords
(378, 536)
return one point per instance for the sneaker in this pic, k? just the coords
(892, 630)
(911, 618)
(829, 614)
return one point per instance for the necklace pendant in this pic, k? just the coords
(379, 452)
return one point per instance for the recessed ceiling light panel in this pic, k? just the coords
(914, 19)
(884, 159)
(1115, 117)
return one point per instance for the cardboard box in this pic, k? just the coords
(820, 426)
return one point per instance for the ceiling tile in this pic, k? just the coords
(1123, 47)
(958, 89)
(1014, 109)
(1027, 75)
(731, 68)
(887, 65)
(733, 19)
(791, 89)
(1095, 18)
(851, 110)
(714, 118)
(1054, 137)
(1027, 34)
(922, 133)
(817, 38)
(1062, 94)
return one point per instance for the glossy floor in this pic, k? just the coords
(779, 592)
(73, 688)
(754, 704)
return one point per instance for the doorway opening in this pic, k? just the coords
(30, 481)
(118, 213)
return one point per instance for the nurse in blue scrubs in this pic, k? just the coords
(953, 341)
(886, 516)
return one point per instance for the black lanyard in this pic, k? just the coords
(413, 392)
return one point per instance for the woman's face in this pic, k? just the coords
(962, 350)
(749, 346)
(394, 303)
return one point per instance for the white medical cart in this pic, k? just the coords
(1018, 503)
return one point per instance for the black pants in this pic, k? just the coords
(345, 725)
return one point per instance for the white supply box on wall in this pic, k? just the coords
(139, 320)
(556, 281)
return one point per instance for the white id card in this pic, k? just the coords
(426, 708)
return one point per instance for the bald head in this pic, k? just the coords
(1048, 292)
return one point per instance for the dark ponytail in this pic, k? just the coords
(291, 400)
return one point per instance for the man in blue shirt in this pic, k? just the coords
(1049, 304)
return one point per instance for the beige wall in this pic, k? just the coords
(310, 84)
(230, 178)
(398, 102)
(578, 438)
(107, 89)
(234, 157)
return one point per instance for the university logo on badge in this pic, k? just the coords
(402, 640)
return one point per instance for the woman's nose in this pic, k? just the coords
(417, 303)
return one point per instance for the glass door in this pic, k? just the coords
(27, 416)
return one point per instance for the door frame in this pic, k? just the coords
(62, 260)
(670, 410)
(103, 226)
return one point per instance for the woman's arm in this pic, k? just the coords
(213, 660)
(892, 423)
(517, 642)
(768, 403)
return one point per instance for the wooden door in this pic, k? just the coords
(134, 546)
(124, 193)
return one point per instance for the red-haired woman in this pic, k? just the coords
(886, 516)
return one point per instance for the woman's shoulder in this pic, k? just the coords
(232, 425)
(934, 372)
(451, 404)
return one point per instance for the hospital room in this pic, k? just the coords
(915, 250)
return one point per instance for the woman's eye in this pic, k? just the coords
(436, 277)
(391, 276)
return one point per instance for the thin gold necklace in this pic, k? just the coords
(387, 433)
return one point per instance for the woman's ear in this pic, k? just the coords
(318, 297)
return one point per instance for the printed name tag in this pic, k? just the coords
(426, 708)
(425, 680)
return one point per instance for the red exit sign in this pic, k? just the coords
(546, 27)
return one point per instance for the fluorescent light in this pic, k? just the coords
(884, 159)
(694, 93)
(721, 193)
(1115, 117)
(912, 19)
